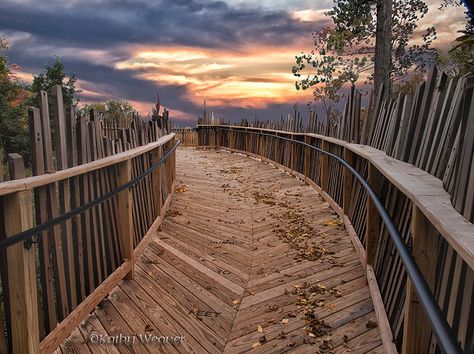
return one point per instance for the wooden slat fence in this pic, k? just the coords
(76, 263)
(439, 237)
(187, 136)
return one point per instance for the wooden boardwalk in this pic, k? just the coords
(248, 258)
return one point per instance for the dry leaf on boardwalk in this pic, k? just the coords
(371, 324)
(284, 321)
(260, 329)
(255, 345)
(181, 188)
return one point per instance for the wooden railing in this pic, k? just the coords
(440, 239)
(187, 136)
(51, 280)
(98, 248)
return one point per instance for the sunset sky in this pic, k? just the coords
(236, 54)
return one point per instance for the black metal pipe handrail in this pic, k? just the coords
(441, 328)
(38, 229)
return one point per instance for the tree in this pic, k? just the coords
(14, 133)
(460, 58)
(350, 44)
(383, 46)
(114, 109)
(469, 10)
(55, 75)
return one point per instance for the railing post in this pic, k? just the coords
(156, 155)
(324, 166)
(373, 218)
(348, 178)
(293, 161)
(307, 157)
(125, 207)
(18, 216)
(258, 143)
(416, 333)
(277, 148)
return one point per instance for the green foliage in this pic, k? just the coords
(346, 50)
(460, 58)
(408, 85)
(113, 109)
(14, 133)
(55, 75)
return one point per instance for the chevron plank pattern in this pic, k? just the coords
(248, 259)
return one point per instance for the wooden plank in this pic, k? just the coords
(21, 266)
(348, 181)
(324, 161)
(57, 336)
(37, 181)
(156, 179)
(52, 211)
(382, 320)
(216, 277)
(374, 220)
(46, 268)
(64, 191)
(125, 204)
(85, 198)
(42, 98)
(95, 221)
(77, 235)
(417, 329)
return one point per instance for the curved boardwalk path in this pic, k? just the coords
(249, 258)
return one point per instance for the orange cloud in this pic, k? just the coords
(253, 77)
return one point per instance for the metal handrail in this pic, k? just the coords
(26, 235)
(441, 328)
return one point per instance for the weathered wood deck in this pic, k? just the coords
(246, 257)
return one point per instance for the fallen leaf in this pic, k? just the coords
(181, 188)
(237, 301)
(371, 324)
(284, 321)
(255, 345)
(330, 222)
(260, 329)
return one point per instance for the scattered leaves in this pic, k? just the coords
(332, 222)
(272, 308)
(172, 213)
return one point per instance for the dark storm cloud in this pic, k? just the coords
(40, 30)
(108, 24)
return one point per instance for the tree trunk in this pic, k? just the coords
(383, 47)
